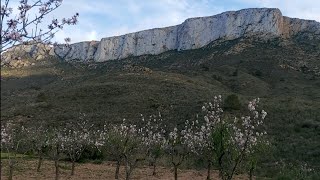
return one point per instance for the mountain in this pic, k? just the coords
(194, 33)
(277, 61)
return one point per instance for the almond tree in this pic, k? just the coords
(38, 139)
(27, 27)
(55, 141)
(153, 138)
(227, 143)
(231, 142)
(247, 134)
(76, 136)
(107, 141)
(124, 143)
(12, 141)
(132, 147)
(178, 148)
(199, 133)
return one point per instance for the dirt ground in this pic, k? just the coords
(26, 170)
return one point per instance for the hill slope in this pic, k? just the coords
(283, 73)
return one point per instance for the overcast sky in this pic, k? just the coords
(104, 18)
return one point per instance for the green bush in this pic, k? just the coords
(232, 102)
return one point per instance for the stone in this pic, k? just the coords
(262, 23)
(27, 52)
(82, 51)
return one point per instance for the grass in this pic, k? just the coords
(180, 82)
(6, 155)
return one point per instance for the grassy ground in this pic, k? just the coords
(283, 74)
(7, 155)
(26, 170)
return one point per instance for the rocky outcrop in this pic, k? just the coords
(26, 55)
(154, 41)
(82, 51)
(264, 23)
(292, 26)
(193, 33)
(20, 54)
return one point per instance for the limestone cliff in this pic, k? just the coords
(264, 23)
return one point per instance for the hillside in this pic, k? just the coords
(283, 73)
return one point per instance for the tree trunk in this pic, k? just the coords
(251, 173)
(128, 170)
(72, 168)
(175, 172)
(10, 171)
(117, 170)
(221, 174)
(209, 170)
(128, 175)
(39, 162)
(56, 164)
(154, 169)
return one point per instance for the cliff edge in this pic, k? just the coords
(264, 23)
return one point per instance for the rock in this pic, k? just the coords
(154, 41)
(82, 51)
(18, 63)
(262, 23)
(25, 53)
(137, 69)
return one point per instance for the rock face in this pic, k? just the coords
(264, 23)
(83, 51)
(152, 41)
(17, 56)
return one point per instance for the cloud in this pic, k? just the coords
(99, 18)
(155, 14)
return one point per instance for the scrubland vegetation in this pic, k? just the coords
(57, 96)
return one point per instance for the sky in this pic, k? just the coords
(105, 18)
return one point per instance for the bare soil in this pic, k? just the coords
(26, 170)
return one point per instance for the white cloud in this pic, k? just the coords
(91, 36)
(77, 35)
(132, 15)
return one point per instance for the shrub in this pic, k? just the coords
(232, 102)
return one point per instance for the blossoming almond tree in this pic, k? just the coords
(177, 147)
(198, 134)
(12, 140)
(55, 141)
(153, 138)
(107, 141)
(38, 139)
(124, 143)
(76, 136)
(248, 133)
(134, 149)
(217, 139)
(27, 27)
(233, 142)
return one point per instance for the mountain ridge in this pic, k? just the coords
(193, 33)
